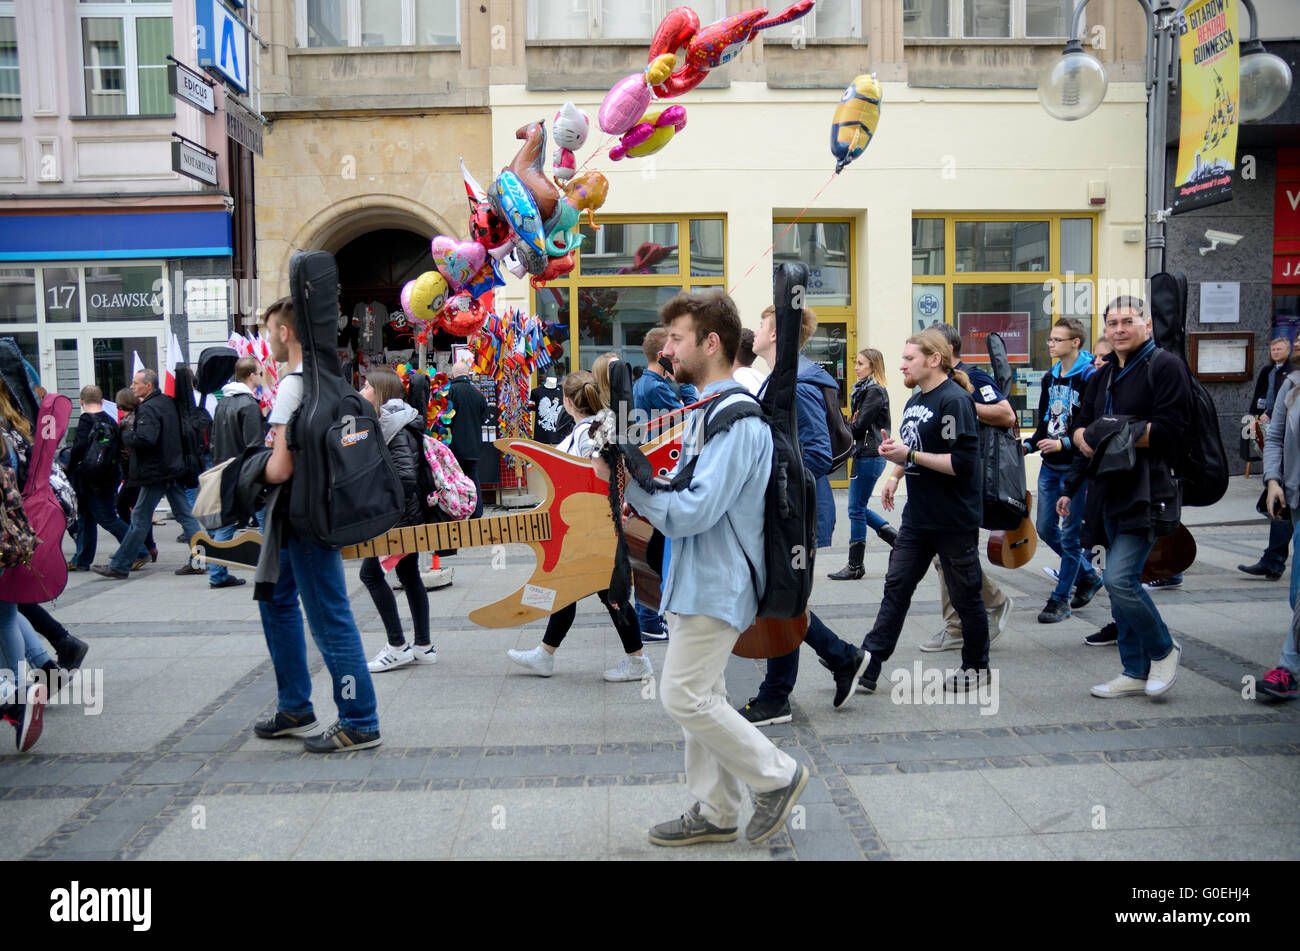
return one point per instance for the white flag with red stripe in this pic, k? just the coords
(174, 359)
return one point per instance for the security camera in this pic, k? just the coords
(1217, 238)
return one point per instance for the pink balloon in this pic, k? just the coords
(458, 261)
(407, 288)
(624, 104)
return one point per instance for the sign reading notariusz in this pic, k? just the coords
(194, 163)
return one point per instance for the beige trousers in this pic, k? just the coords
(993, 600)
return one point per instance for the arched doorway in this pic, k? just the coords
(372, 270)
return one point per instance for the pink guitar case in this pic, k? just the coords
(47, 576)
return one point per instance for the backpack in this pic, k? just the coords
(345, 490)
(441, 482)
(842, 442)
(46, 575)
(195, 427)
(1202, 466)
(99, 465)
(1001, 459)
(17, 539)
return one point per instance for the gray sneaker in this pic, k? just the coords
(943, 641)
(771, 809)
(690, 828)
(998, 619)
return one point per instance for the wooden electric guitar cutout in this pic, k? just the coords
(571, 534)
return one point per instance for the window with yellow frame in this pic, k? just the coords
(625, 271)
(1011, 273)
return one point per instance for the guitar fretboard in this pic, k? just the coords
(471, 533)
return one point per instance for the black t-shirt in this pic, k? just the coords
(551, 423)
(943, 421)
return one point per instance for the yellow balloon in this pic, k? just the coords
(428, 295)
(855, 119)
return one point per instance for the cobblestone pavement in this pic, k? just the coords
(481, 760)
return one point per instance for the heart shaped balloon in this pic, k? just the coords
(462, 316)
(457, 261)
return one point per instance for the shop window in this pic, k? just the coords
(341, 23)
(1012, 276)
(826, 247)
(987, 19)
(608, 19)
(124, 57)
(17, 295)
(10, 88)
(61, 294)
(626, 270)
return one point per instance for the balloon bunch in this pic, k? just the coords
(626, 111)
(255, 346)
(437, 422)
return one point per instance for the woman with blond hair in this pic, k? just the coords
(869, 403)
(583, 400)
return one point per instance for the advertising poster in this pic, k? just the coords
(1207, 144)
(1013, 328)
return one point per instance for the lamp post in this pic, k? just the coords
(1074, 86)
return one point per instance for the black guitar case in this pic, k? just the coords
(1169, 312)
(344, 489)
(216, 367)
(1003, 460)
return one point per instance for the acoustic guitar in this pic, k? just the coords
(1172, 555)
(1015, 548)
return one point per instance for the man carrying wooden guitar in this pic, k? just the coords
(709, 596)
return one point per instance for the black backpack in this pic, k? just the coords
(790, 506)
(99, 466)
(1202, 466)
(195, 428)
(345, 490)
(842, 442)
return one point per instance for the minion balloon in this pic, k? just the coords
(854, 122)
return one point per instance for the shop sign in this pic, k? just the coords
(1013, 328)
(222, 41)
(194, 163)
(188, 86)
(244, 127)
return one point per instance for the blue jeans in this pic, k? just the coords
(1062, 535)
(646, 617)
(866, 472)
(142, 520)
(318, 574)
(12, 646)
(33, 649)
(218, 573)
(205, 463)
(1143, 636)
(98, 508)
(825, 512)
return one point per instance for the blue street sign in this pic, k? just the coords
(221, 40)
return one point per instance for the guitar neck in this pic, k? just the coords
(470, 533)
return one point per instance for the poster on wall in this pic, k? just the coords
(1207, 142)
(974, 329)
(927, 305)
(1220, 302)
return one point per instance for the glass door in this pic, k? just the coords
(77, 358)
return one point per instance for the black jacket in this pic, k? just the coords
(405, 448)
(155, 442)
(1166, 406)
(80, 443)
(1259, 402)
(467, 425)
(869, 403)
(236, 426)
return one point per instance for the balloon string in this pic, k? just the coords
(793, 222)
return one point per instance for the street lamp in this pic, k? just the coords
(1074, 86)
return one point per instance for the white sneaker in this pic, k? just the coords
(536, 661)
(423, 654)
(1121, 686)
(1163, 673)
(390, 658)
(998, 620)
(631, 668)
(943, 641)
(1053, 573)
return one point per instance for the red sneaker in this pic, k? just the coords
(1280, 684)
(27, 719)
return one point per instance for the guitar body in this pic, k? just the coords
(1015, 548)
(242, 551)
(1172, 555)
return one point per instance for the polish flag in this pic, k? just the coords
(174, 359)
(136, 364)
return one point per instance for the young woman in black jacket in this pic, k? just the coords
(403, 429)
(869, 403)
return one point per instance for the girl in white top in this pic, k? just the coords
(582, 399)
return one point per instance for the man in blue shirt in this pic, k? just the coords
(716, 526)
(992, 408)
(653, 395)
